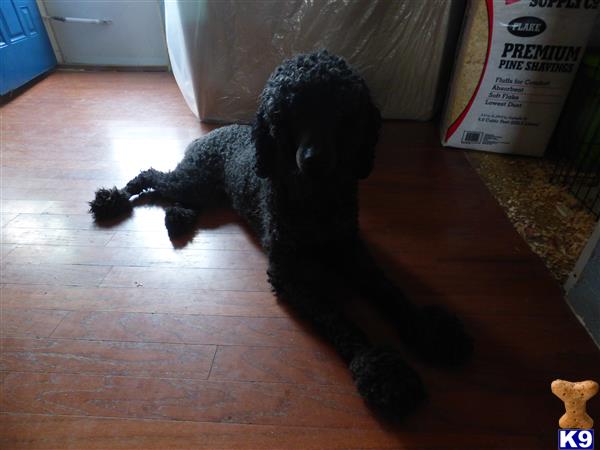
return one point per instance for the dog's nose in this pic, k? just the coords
(310, 158)
(309, 161)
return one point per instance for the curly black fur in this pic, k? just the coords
(293, 175)
(386, 381)
(180, 221)
(110, 203)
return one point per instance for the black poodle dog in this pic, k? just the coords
(293, 175)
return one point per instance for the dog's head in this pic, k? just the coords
(315, 119)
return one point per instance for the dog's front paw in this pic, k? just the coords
(110, 203)
(439, 337)
(386, 382)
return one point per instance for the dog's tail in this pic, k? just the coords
(114, 202)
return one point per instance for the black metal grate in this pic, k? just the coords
(577, 138)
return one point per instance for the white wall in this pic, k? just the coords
(135, 36)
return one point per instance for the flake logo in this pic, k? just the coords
(526, 26)
(569, 439)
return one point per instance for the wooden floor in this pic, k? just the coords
(113, 339)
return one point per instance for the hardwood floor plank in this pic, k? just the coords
(22, 322)
(59, 174)
(6, 218)
(37, 182)
(143, 219)
(142, 300)
(524, 278)
(37, 163)
(53, 274)
(140, 257)
(524, 304)
(43, 432)
(184, 329)
(69, 148)
(279, 364)
(36, 236)
(172, 399)
(67, 207)
(12, 194)
(106, 358)
(23, 206)
(97, 110)
(213, 279)
(5, 250)
(49, 194)
(452, 244)
(201, 241)
(271, 404)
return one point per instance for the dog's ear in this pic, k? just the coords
(370, 134)
(264, 144)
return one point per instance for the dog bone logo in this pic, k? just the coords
(575, 396)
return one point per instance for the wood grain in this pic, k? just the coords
(143, 300)
(29, 431)
(6, 218)
(144, 257)
(279, 364)
(45, 236)
(57, 274)
(5, 249)
(29, 322)
(175, 399)
(212, 279)
(23, 206)
(184, 329)
(67, 207)
(143, 218)
(160, 239)
(106, 358)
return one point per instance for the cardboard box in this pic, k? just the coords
(513, 72)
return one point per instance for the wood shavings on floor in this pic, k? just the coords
(547, 216)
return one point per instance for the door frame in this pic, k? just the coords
(44, 13)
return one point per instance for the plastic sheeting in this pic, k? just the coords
(222, 52)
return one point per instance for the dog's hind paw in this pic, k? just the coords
(386, 382)
(439, 337)
(180, 221)
(110, 203)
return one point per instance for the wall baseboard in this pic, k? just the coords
(109, 68)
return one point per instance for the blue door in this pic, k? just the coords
(25, 50)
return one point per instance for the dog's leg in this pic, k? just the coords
(146, 179)
(178, 219)
(382, 377)
(437, 335)
(114, 202)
